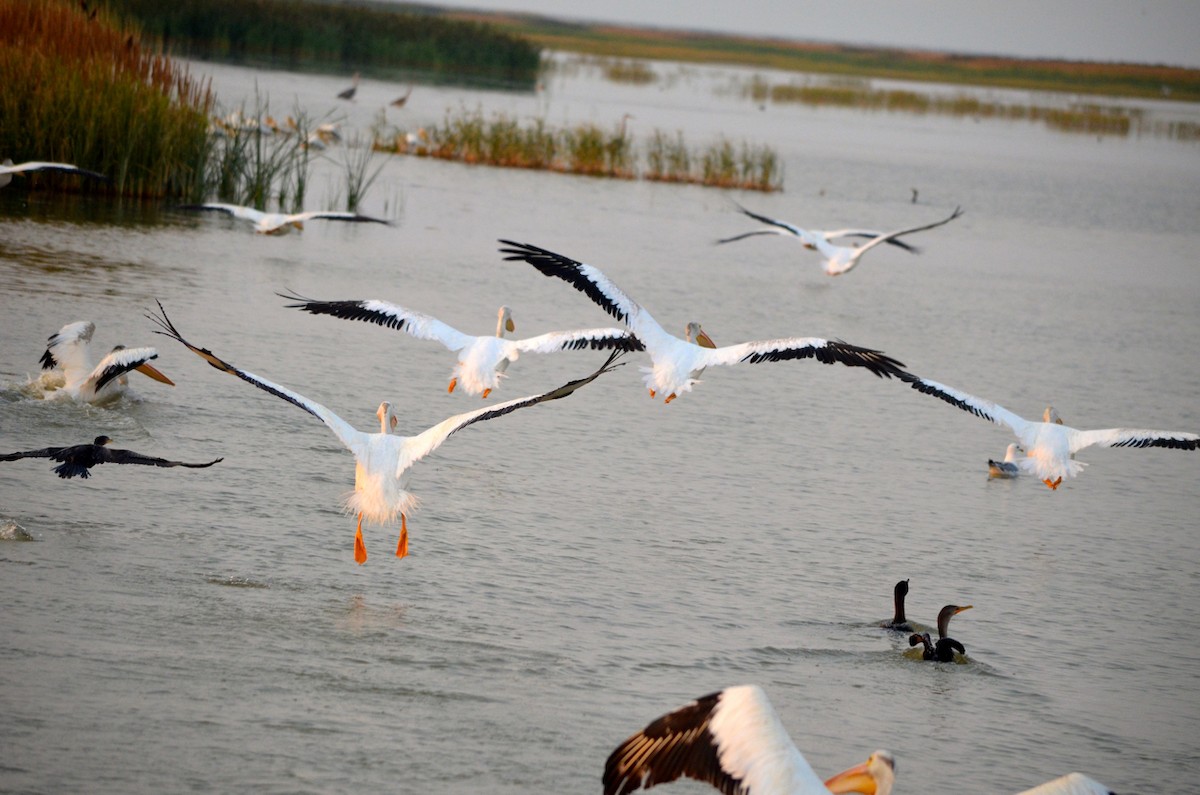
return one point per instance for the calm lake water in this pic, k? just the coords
(579, 568)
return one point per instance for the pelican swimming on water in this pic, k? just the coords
(678, 363)
(838, 259)
(77, 460)
(483, 360)
(943, 650)
(7, 169)
(279, 223)
(1050, 446)
(382, 460)
(70, 349)
(1008, 467)
(735, 741)
(1070, 784)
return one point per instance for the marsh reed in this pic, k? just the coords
(85, 91)
(589, 149)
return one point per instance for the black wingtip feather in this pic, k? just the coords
(563, 267)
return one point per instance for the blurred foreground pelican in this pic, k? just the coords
(1050, 446)
(382, 460)
(943, 650)
(481, 360)
(7, 169)
(70, 349)
(77, 460)
(679, 363)
(735, 741)
(1070, 784)
(838, 259)
(1008, 467)
(279, 223)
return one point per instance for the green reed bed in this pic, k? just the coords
(80, 88)
(589, 149)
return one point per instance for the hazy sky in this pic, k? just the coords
(1142, 31)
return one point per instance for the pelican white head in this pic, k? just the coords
(387, 418)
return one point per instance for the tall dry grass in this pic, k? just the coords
(80, 88)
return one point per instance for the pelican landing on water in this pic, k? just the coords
(382, 460)
(8, 169)
(77, 460)
(1050, 446)
(70, 349)
(735, 741)
(482, 360)
(679, 363)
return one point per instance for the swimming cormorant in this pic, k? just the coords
(943, 650)
(898, 622)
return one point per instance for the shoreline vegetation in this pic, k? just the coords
(377, 38)
(588, 149)
(1077, 77)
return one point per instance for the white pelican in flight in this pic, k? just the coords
(77, 460)
(679, 363)
(382, 460)
(70, 349)
(1070, 784)
(1007, 468)
(838, 259)
(735, 741)
(481, 360)
(7, 169)
(1050, 446)
(279, 223)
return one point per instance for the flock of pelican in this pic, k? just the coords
(732, 739)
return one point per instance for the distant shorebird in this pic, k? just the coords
(279, 223)
(1007, 468)
(678, 363)
(1049, 445)
(399, 102)
(350, 92)
(383, 461)
(77, 460)
(70, 349)
(735, 741)
(838, 259)
(482, 360)
(7, 169)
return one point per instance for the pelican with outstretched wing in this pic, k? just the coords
(8, 169)
(70, 349)
(678, 363)
(279, 223)
(482, 360)
(383, 461)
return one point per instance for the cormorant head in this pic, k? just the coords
(945, 614)
(901, 588)
(875, 776)
(100, 441)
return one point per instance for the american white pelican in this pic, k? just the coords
(382, 460)
(1070, 784)
(1050, 446)
(7, 169)
(482, 361)
(1008, 467)
(679, 363)
(943, 650)
(735, 741)
(279, 223)
(898, 621)
(350, 92)
(70, 349)
(838, 259)
(77, 460)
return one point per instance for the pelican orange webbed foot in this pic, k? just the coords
(486, 392)
(453, 383)
(1053, 484)
(670, 397)
(652, 393)
(360, 549)
(402, 545)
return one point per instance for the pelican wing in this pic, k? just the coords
(1130, 437)
(34, 165)
(824, 351)
(236, 210)
(975, 405)
(350, 437)
(421, 445)
(868, 233)
(783, 226)
(336, 216)
(423, 327)
(890, 236)
(118, 363)
(68, 347)
(1070, 784)
(118, 456)
(732, 740)
(755, 233)
(592, 338)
